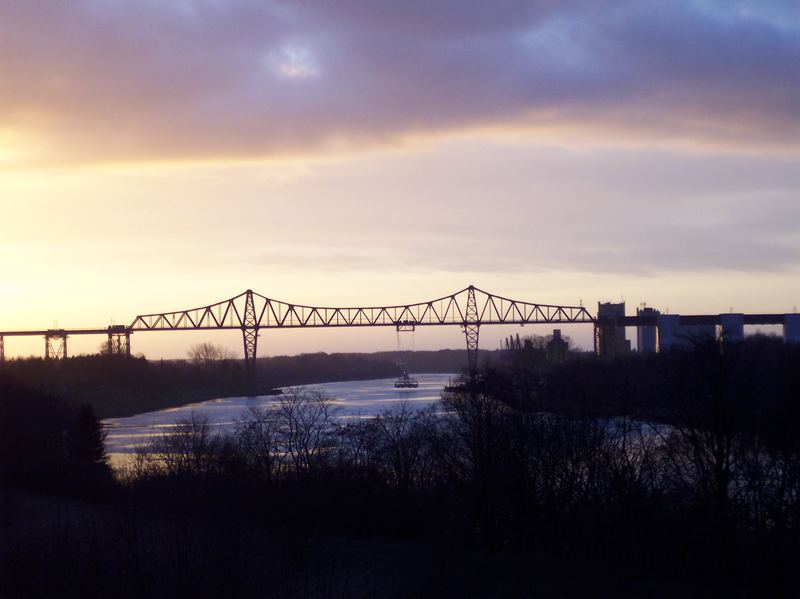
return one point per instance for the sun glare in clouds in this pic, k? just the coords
(293, 61)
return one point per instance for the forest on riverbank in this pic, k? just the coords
(117, 387)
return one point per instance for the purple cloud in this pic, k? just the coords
(95, 81)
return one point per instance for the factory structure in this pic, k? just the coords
(556, 349)
(657, 332)
(647, 335)
(609, 334)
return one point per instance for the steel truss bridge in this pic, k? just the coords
(250, 312)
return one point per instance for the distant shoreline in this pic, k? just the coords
(127, 404)
(120, 388)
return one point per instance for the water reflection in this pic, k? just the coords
(353, 399)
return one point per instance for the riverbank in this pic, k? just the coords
(117, 388)
(123, 403)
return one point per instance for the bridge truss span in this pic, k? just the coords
(470, 308)
(454, 309)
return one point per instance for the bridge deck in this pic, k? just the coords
(44, 333)
(469, 307)
(693, 319)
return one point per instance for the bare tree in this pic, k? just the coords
(709, 433)
(257, 436)
(205, 354)
(189, 447)
(359, 445)
(406, 435)
(305, 426)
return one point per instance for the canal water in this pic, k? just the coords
(352, 399)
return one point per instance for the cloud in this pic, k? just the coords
(294, 62)
(93, 80)
(460, 207)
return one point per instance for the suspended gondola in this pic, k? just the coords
(406, 381)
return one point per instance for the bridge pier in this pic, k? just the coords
(471, 329)
(55, 345)
(119, 341)
(2, 350)
(250, 339)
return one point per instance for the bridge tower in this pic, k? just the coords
(119, 341)
(55, 344)
(471, 329)
(250, 337)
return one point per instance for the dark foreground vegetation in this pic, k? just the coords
(117, 387)
(675, 475)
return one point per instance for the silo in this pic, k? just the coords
(732, 327)
(647, 334)
(791, 328)
(610, 338)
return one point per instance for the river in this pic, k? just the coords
(353, 399)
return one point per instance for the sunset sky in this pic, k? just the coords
(159, 155)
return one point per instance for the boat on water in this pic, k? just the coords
(406, 381)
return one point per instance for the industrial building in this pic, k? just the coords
(610, 340)
(657, 332)
(647, 335)
(557, 347)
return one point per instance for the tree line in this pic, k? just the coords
(117, 386)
